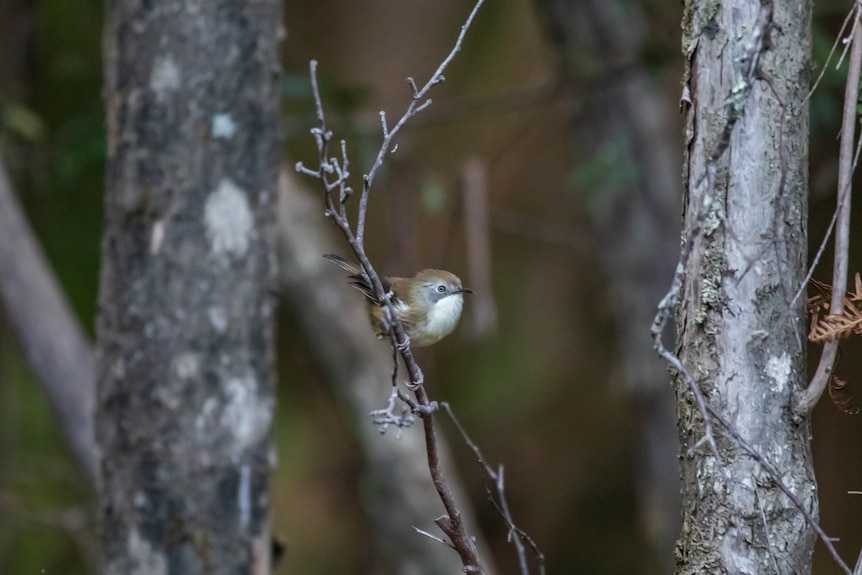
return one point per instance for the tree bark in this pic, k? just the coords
(746, 166)
(185, 359)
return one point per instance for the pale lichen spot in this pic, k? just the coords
(778, 368)
(165, 76)
(186, 365)
(228, 219)
(244, 411)
(223, 127)
(157, 237)
(218, 318)
(202, 422)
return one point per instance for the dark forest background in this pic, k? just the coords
(543, 393)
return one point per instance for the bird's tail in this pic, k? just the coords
(359, 279)
(344, 264)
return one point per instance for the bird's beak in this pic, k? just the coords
(465, 290)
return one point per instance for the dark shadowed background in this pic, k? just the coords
(569, 111)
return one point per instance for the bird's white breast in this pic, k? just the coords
(442, 319)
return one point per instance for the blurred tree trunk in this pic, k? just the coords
(740, 336)
(626, 173)
(185, 360)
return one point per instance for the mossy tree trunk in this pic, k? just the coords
(741, 336)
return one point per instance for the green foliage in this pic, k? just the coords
(44, 506)
(433, 194)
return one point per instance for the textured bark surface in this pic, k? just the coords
(185, 331)
(740, 337)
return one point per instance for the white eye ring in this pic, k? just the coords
(441, 289)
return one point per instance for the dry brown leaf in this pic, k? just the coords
(832, 327)
(819, 301)
(826, 327)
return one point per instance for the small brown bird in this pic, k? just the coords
(428, 304)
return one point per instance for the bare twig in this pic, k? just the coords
(838, 39)
(776, 477)
(383, 418)
(666, 307)
(498, 499)
(808, 399)
(333, 175)
(828, 234)
(416, 105)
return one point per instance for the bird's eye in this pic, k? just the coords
(441, 289)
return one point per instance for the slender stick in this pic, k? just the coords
(516, 535)
(808, 399)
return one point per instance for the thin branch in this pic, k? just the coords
(412, 109)
(776, 477)
(383, 418)
(498, 499)
(666, 307)
(828, 234)
(808, 399)
(822, 248)
(846, 41)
